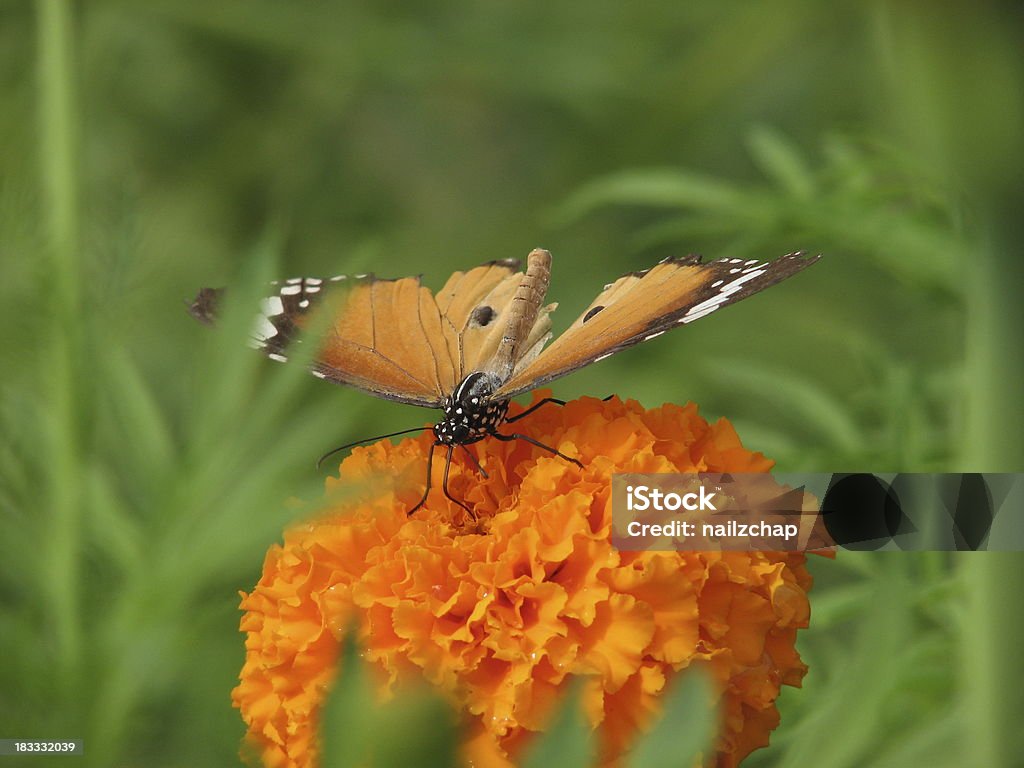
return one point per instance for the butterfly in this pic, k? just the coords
(480, 341)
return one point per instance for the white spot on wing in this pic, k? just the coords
(294, 280)
(291, 290)
(748, 276)
(312, 288)
(653, 336)
(304, 303)
(313, 281)
(698, 310)
(277, 357)
(272, 306)
(264, 329)
(320, 375)
(691, 315)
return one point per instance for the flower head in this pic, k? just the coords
(499, 613)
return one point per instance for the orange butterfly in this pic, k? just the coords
(480, 341)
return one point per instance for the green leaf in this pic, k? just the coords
(426, 734)
(349, 717)
(686, 727)
(780, 160)
(139, 414)
(840, 604)
(937, 743)
(656, 188)
(417, 728)
(801, 400)
(569, 742)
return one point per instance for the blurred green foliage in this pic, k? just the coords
(149, 149)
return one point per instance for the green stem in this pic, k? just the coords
(992, 663)
(58, 156)
(922, 55)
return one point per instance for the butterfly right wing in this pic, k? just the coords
(642, 305)
(476, 308)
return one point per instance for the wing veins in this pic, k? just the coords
(376, 353)
(670, 313)
(419, 324)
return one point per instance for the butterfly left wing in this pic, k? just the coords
(383, 336)
(642, 305)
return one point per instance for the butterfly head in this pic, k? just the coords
(469, 413)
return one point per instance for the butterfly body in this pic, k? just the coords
(480, 341)
(469, 414)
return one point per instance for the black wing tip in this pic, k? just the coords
(687, 260)
(796, 261)
(205, 305)
(696, 258)
(803, 256)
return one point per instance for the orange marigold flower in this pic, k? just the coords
(499, 613)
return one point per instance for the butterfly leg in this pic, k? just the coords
(548, 448)
(475, 462)
(426, 492)
(444, 483)
(545, 401)
(534, 407)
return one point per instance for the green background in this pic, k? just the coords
(149, 149)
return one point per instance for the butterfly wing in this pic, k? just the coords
(394, 338)
(477, 307)
(385, 337)
(642, 305)
(382, 336)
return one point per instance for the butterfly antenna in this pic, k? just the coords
(366, 440)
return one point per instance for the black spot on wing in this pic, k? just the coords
(591, 313)
(482, 316)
